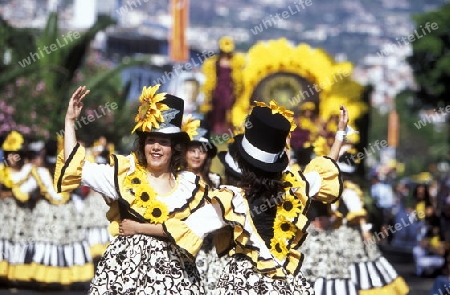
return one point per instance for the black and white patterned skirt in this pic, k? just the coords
(239, 277)
(325, 266)
(141, 264)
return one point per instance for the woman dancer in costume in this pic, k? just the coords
(268, 213)
(61, 253)
(325, 266)
(370, 271)
(146, 186)
(17, 199)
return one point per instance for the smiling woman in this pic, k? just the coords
(145, 187)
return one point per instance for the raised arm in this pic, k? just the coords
(340, 135)
(72, 114)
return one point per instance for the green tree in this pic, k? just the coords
(39, 90)
(430, 60)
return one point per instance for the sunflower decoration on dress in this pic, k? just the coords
(150, 111)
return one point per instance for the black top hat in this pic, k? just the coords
(202, 137)
(228, 161)
(264, 140)
(173, 117)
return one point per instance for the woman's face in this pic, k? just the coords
(420, 192)
(158, 152)
(195, 157)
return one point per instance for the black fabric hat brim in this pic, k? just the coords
(221, 155)
(212, 151)
(278, 166)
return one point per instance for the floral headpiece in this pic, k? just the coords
(226, 44)
(190, 126)
(150, 111)
(289, 115)
(13, 142)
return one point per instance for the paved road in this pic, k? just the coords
(402, 262)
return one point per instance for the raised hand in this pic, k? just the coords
(76, 103)
(343, 118)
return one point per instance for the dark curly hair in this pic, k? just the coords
(178, 159)
(258, 183)
(261, 190)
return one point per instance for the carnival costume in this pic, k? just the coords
(370, 271)
(325, 266)
(45, 247)
(264, 242)
(140, 264)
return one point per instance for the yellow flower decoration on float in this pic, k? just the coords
(226, 44)
(283, 228)
(278, 248)
(13, 142)
(276, 109)
(321, 147)
(190, 126)
(157, 212)
(150, 111)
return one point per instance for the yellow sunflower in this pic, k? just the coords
(278, 248)
(290, 207)
(156, 212)
(190, 126)
(226, 44)
(143, 197)
(13, 142)
(150, 111)
(283, 228)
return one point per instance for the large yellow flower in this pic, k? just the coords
(156, 212)
(190, 126)
(150, 111)
(283, 228)
(276, 109)
(13, 142)
(226, 44)
(290, 207)
(278, 248)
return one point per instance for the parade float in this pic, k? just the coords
(299, 77)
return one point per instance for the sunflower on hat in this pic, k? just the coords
(13, 142)
(150, 111)
(190, 126)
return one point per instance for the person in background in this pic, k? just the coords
(430, 252)
(383, 196)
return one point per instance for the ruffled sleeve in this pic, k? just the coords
(352, 198)
(44, 180)
(189, 234)
(74, 172)
(325, 182)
